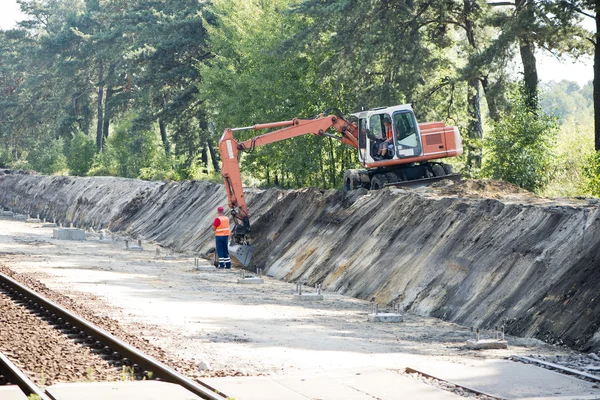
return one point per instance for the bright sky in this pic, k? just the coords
(549, 68)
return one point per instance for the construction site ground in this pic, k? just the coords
(250, 338)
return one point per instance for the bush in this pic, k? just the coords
(573, 154)
(132, 152)
(80, 153)
(591, 172)
(520, 148)
(47, 157)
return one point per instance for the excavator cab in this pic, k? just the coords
(372, 132)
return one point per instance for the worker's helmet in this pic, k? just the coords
(220, 209)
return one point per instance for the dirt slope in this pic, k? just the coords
(478, 253)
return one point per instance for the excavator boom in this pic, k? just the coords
(229, 148)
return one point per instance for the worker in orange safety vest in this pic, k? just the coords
(221, 229)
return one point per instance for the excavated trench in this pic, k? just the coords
(478, 253)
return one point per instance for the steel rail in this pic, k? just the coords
(411, 370)
(15, 376)
(558, 367)
(103, 340)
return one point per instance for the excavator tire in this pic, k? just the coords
(448, 169)
(351, 180)
(438, 170)
(378, 182)
(392, 177)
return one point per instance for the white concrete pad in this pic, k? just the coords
(11, 392)
(384, 317)
(487, 344)
(254, 388)
(138, 390)
(68, 234)
(33, 220)
(206, 268)
(352, 385)
(20, 217)
(512, 380)
(387, 385)
(308, 297)
(250, 281)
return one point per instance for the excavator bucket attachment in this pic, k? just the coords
(243, 252)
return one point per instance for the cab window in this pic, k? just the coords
(406, 131)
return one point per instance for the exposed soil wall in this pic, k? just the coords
(448, 252)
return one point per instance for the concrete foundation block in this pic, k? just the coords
(33, 220)
(206, 268)
(308, 297)
(487, 344)
(385, 317)
(68, 234)
(250, 281)
(7, 213)
(134, 248)
(20, 217)
(49, 225)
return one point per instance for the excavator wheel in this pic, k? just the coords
(392, 177)
(448, 169)
(351, 180)
(438, 170)
(378, 182)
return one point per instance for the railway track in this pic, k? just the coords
(10, 375)
(119, 353)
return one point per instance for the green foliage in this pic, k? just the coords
(567, 98)
(575, 143)
(80, 153)
(132, 152)
(47, 157)
(156, 82)
(520, 147)
(591, 173)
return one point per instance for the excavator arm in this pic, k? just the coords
(230, 148)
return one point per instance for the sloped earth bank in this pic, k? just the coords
(478, 253)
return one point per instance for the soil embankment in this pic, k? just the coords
(478, 253)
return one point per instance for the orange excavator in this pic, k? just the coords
(393, 149)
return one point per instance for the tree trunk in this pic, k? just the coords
(99, 137)
(107, 112)
(204, 159)
(213, 156)
(490, 97)
(527, 48)
(164, 137)
(597, 80)
(475, 128)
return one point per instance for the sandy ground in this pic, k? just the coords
(207, 317)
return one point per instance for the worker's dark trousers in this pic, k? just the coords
(223, 251)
